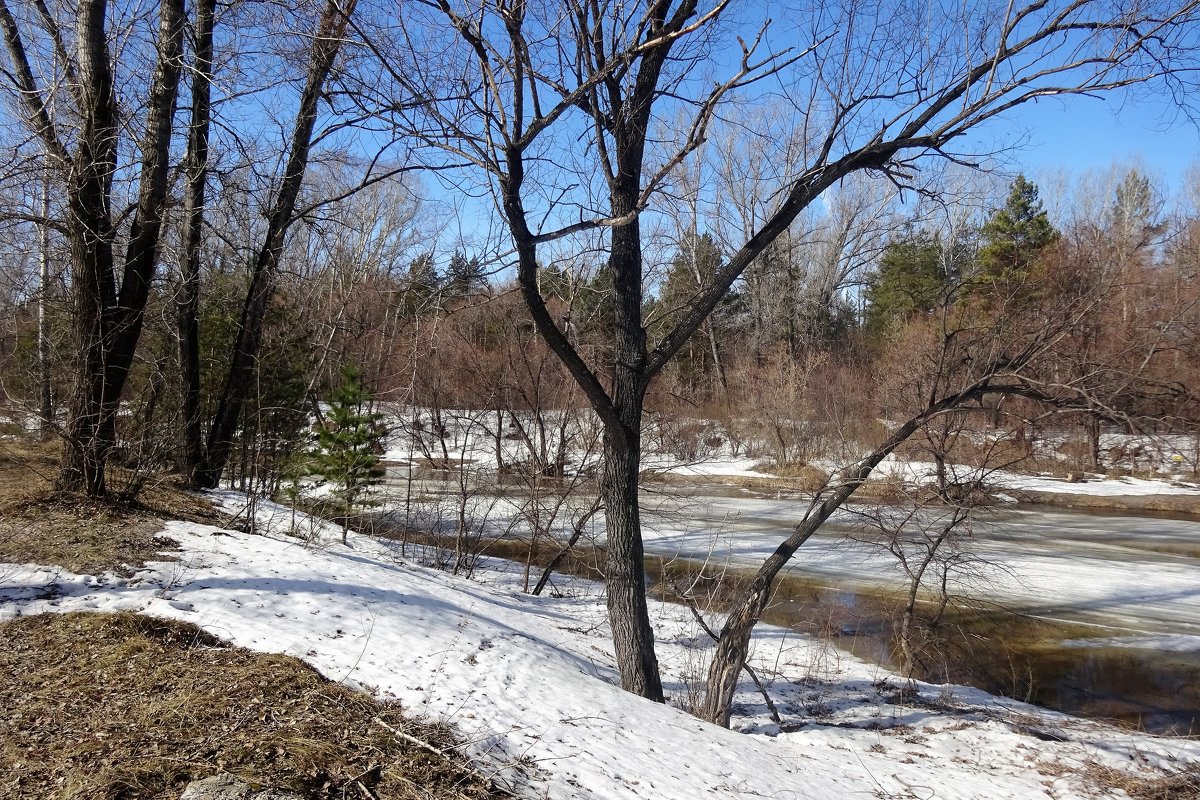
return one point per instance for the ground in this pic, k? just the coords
(529, 682)
(127, 705)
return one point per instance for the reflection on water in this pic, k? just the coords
(995, 650)
(991, 648)
(1007, 654)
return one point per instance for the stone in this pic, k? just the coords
(227, 787)
(217, 787)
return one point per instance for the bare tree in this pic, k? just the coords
(197, 169)
(557, 107)
(327, 41)
(108, 314)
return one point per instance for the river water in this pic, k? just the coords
(1093, 614)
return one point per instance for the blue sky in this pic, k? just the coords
(1083, 133)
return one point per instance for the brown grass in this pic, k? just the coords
(86, 535)
(83, 535)
(115, 707)
(1182, 785)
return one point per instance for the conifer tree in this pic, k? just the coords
(465, 276)
(422, 285)
(1014, 237)
(912, 279)
(348, 445)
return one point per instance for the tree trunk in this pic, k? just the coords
(330, 34)
(45, 393)
(625, 573)
(193, 222)
(108, 326)
(93, 286)
(734, 643)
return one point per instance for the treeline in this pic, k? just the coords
(799, 363)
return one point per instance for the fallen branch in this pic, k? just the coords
(457, 762)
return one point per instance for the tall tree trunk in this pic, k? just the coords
(93, 287)
(108, 324)
(625, 574)
(625, 578)
(193, 222)
(331, 30)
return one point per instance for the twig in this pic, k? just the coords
(367, 793)
(424, 745)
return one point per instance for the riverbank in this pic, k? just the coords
(530, 681)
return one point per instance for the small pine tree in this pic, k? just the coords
(349, 444)
(465, 276)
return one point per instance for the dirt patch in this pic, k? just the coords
(116, 706)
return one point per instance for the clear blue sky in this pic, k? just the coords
(1082, 133)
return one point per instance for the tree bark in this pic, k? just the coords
(45, 392)
(625, 573)
(330, 34)
(108, 324)
(193, 222)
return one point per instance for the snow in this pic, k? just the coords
(1127, 572)
(1014, 482)
(530, 682)
(469, 437)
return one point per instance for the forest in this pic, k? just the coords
(574, 247)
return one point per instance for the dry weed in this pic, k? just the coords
(106, 707)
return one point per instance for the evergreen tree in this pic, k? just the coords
(1014, 237)
(912, 279)
(422, 284)
(692, 270)
(465, 276)
(348, 444)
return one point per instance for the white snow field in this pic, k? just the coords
(530, 682)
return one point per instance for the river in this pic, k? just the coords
(1093, 614)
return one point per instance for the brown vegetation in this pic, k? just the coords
(102, 706)
(85, 535)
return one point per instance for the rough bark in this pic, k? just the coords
(238, 381)
(108, 324)
(193, 222)
(45, 391)
(625, 573)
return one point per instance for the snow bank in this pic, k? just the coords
(530, 682)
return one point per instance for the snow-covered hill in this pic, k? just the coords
(530, 682)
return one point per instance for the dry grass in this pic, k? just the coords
(27, 468)
(799, 475)
(115, 707)
(1183, 785)
(1186, 506)
(82, 534)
